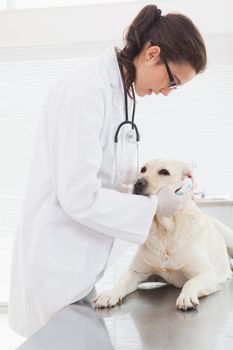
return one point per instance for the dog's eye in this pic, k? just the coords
(143, 170)
(164, 172)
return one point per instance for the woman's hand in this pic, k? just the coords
(169, 202)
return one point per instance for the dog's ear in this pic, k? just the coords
(187, 171)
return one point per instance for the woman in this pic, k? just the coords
(73, 207)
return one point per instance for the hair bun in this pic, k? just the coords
(158, 14)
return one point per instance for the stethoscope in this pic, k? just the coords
(132, 135)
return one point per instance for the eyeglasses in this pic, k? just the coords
(172, 84)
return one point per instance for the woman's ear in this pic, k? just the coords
(153, 53)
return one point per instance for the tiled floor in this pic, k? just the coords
(9, 340)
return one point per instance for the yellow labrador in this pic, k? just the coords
(188, 250)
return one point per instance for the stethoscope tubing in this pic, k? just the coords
(134, 127)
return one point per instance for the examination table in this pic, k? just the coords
(147, 319)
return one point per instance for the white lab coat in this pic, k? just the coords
(72, 210)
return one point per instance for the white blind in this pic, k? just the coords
(23, 87)
(195, 123)
(2, 5)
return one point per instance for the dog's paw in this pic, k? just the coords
(108, 299)
(187, 301)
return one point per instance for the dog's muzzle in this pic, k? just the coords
(140, 187)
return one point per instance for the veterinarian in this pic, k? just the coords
(76, 202)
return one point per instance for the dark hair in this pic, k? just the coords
(176, 35)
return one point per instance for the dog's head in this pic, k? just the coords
(157, 174)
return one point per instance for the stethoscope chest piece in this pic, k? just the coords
(130, 136)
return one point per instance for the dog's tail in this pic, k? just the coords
(226, 232)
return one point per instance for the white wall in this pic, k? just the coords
(101, 23)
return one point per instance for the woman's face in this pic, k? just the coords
(152, 75)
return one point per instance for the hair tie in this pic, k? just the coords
(157, 14)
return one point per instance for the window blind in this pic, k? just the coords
(195, 123)
(23, 87)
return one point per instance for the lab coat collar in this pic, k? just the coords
(111, 65)
(110, 62)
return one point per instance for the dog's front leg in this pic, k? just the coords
(204, 283)
(127, 284)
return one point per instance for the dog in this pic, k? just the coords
(190, 250)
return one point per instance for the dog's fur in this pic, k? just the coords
(188, 250)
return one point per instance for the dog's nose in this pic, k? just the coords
(140, 186)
